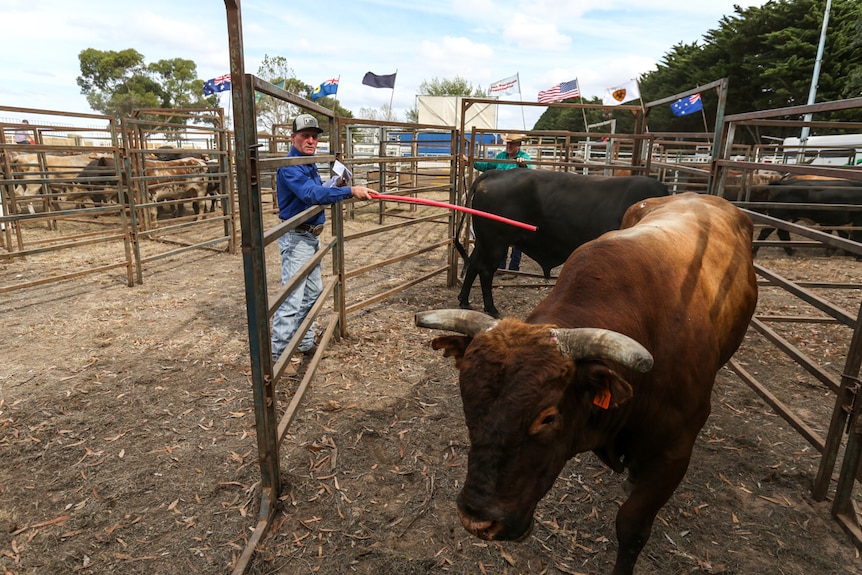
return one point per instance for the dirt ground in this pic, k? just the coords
(127, 444)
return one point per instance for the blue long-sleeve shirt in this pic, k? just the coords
(300, 187)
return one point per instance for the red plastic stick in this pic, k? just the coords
(448, 206)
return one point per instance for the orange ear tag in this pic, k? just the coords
(603, 398)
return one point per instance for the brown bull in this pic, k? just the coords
(619, 359)
(181, 178)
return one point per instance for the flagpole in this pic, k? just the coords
(391, 98)
(338, 83)
(521, 98)
(229, 126)
(812, 93)
(581, 98)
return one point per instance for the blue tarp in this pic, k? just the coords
(435, 143)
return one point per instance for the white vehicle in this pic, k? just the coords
(840, 150)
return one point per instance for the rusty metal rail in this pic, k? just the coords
(845, 426)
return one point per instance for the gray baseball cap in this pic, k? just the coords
(305, 122)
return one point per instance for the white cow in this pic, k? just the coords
(58, 169)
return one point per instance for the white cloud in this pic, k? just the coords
(453, 56)
(544, 41)
(532, 33)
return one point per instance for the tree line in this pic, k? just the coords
(767, 53)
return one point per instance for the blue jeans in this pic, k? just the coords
(296, 249)
(514, 260)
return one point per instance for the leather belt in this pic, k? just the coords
(316, 230)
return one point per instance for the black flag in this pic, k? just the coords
(375, 81)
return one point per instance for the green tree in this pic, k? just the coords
(115, 83)
(273, 113)
(767, 53)
(382, 114)
(277, 114)
(456, 86)
(572, 119)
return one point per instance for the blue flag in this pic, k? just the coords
(376, 81)
(686, 106)
(325, 89)
(217, 84)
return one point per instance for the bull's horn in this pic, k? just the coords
(466, 321)
(594, 342)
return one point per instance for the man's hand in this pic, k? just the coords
(361, 192)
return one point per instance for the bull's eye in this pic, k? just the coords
(547, 419)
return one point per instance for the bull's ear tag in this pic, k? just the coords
(603, 398)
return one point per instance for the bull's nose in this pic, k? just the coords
(487, 530)
(497, 528)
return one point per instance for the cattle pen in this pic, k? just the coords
(89, 188)
(274, 431)
(345, 483)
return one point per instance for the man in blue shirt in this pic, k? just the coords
(515, 158)
(298, 188)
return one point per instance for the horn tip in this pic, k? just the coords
(644, 364)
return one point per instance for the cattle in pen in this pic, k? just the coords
(98, 182)
(619, 359)
(567, 209)
(34, 169)
(52, 174)
(178, 179)
(806, 193)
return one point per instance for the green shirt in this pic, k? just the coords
(508, 165)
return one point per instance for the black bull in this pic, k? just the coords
(567, 209)
(825, 191)
(97, 182)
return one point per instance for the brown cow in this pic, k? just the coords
(619, 359)
(176, 179)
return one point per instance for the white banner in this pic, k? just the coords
(446, 111)
(505, 86)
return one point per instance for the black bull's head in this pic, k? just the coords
(527, 392)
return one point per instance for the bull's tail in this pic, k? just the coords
(461, 219)
(458, 245)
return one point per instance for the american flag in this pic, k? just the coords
(562, 91)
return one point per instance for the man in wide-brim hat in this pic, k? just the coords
(512, 157)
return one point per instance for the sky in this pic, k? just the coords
(545, 42)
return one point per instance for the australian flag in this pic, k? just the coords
(686, 106)
(325, 89)
(217, 84)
